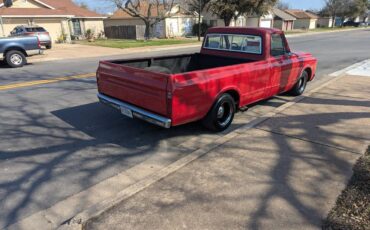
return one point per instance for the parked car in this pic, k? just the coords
(355, 24)
(351, 23)
(16, 50)
(40, 32)
(235, 68)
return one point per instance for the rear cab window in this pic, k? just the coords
(251, 44)
(35, 29)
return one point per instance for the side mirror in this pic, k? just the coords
(290, 54)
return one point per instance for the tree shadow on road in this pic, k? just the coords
(264, 179)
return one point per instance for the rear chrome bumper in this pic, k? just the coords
(136, 111)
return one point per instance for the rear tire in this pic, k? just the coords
(221, 115)
(299, 88)
(15, 58)
(48, 47)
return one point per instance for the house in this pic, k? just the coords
(178, 24)
(283, 20)
(58, 17)
(324, 22)
(265, 21)
(364, 18)
(305, 20)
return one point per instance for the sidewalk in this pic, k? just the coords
(286, 173)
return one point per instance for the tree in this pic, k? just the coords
(198, 6)
(8, 3)
(282, 5)
(233, 9)
(360, 7)
(225, 9)
(150, 12)
(334, 8)
(83, 5)
(345, 8)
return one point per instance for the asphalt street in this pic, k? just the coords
(57, 140)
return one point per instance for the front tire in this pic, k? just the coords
(15, 59)
(221, 115)
(299, 88)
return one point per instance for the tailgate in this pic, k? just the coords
(43, 37)
(138, 87)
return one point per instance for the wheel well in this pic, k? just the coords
(235, 95)
(309, 72)
(15, 48)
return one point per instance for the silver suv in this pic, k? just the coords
(37, 31)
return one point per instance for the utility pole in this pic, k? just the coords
(2, 26)
(199, 18)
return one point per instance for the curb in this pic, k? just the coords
(82, 218)
(323, 32)
(354, 66)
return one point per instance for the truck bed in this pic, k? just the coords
(182, 63)
(140, 82)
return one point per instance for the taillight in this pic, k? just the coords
(38, 42)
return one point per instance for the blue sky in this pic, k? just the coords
(105, 6)
(305, 4)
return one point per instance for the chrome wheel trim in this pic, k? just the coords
(16, 59)
(220, 112)
(227, 113)
(301, 84)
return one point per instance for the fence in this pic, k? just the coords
(125, 32)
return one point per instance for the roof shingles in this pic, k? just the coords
(300, 14)
(62, 7)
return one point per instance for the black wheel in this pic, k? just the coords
(300, 86)
(221, 114)
(48, 47)
(15, 58)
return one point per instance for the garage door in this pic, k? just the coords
(266, 23)
(54, 27)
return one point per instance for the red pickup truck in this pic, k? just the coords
(236, 67)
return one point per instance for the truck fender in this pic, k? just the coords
(14, 46)
(307, 68)
(233, 91)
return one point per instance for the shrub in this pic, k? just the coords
(203, 30)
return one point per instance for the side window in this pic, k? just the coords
(19, 30)
(277, 45)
